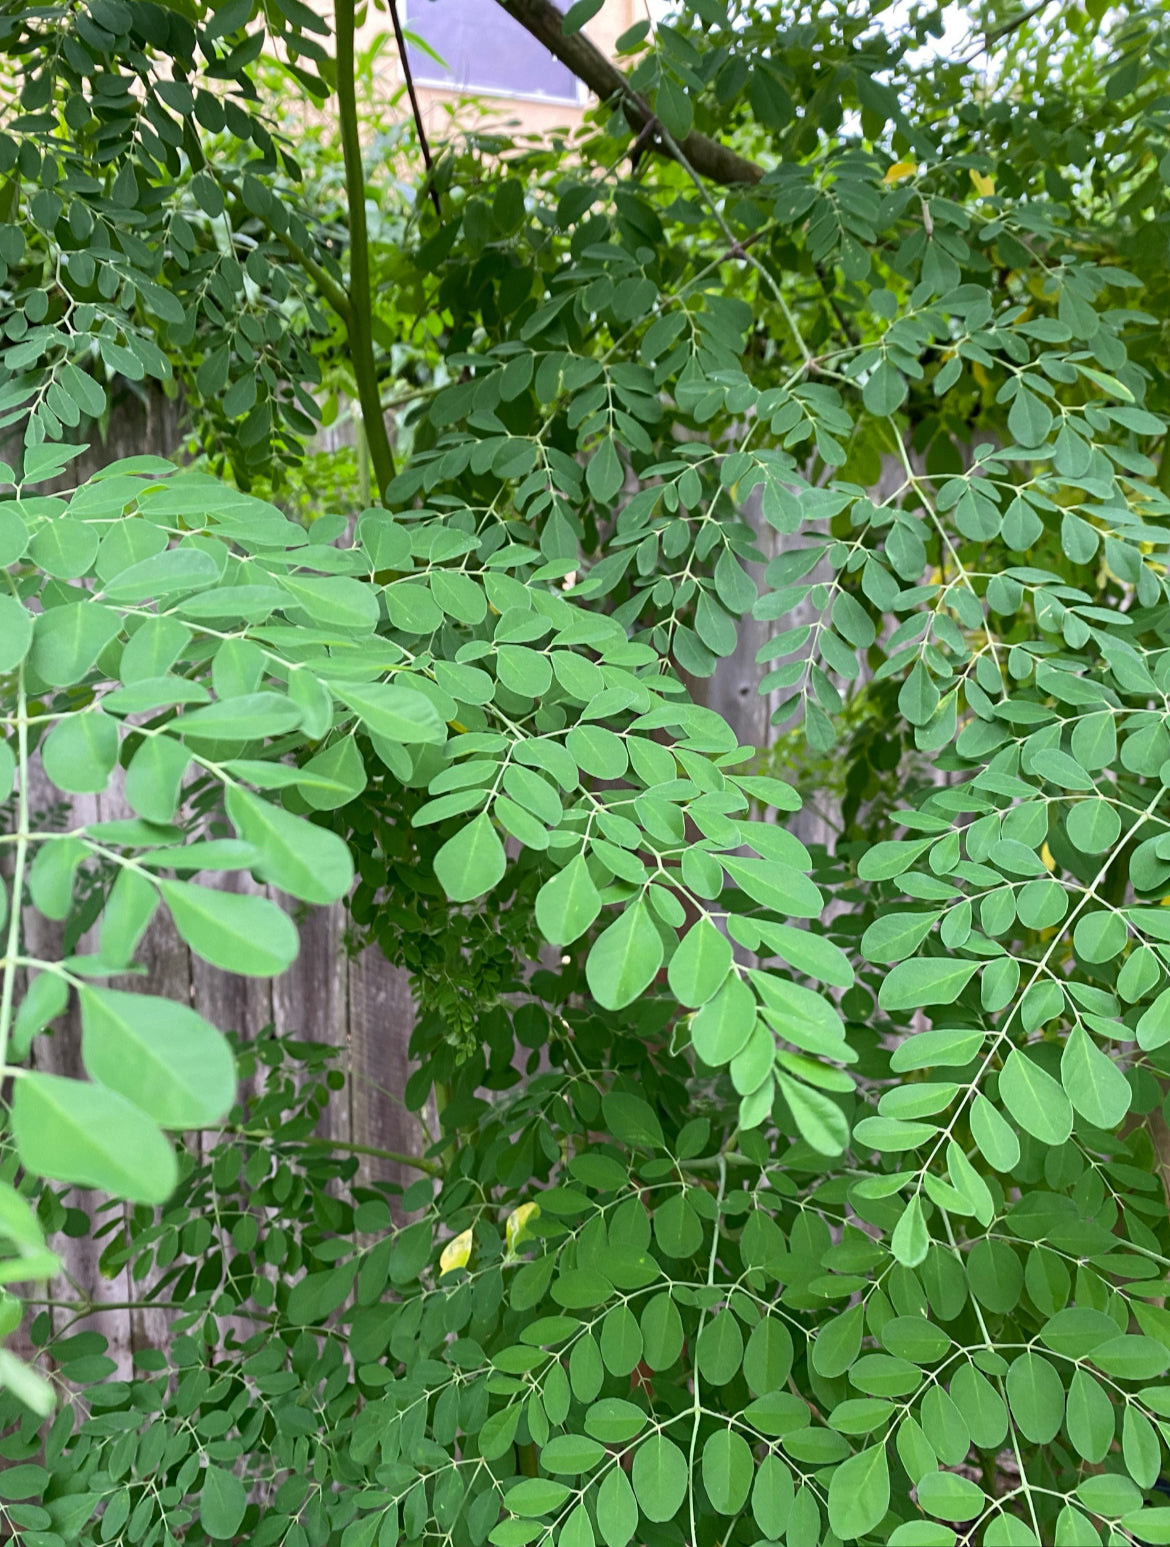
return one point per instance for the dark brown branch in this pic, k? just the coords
(707, 156)
(415, 109)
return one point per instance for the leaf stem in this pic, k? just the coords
(417, 1162)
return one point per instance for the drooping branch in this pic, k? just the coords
(708, 157)
(420, 127)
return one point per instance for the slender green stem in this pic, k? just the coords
(361, 339)
(14, 908)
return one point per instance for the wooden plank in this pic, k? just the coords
(381, 1019)
(310, 1000)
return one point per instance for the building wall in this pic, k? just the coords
(443, 109)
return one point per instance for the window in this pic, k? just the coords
(484, 50)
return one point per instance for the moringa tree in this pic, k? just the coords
(803, 1194)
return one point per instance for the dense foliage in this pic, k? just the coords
(809, 1189)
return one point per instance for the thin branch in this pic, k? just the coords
(417, 111)
(343, 1146)
(708, 157)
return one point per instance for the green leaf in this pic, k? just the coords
(535, 1496)
(80, 752)
(44, 1000)
(222, 1502)
(885, 390)
(919, 698)
(772, 1497)
(1090, 1417)
(64, 548)
(613, 1420)
(775, 885)
(1109, 1494)
(16, 632)
(53, 873)
(625, 958)
(673, 107)
(859, 1493)
(995, 1137)
(129, 909)
(838, 1342)
(309, 862)
(1153, 1029)
(578, 14)
(719, 1351)
(247, 718)
(1030, 418)
(894, 936)
(621, 1341)
(603, 473)
(1035, 1395)
(315, 702)
(1035, 1099)
(948, 1496)
(660, 1478)
(567, 903)
(819, 1120)
(910, 1241)
(333, 601)
(805, 950)
(1141, 1448)
(1097, 1088)
(472, 862)
(498, 1432)
(925, 981)
(333, 777)
(162, 1056)
(632, 1120)
(70, 1131)
(1132, 1358)
(247, 935)
(727, 1470)
(398, 713)
(66, 640)
(172, 571)
(617, 1509)
(767, 1359)
(722, 1027)
(155, 776)
(700, 964)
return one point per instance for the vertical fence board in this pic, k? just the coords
(381, 1016)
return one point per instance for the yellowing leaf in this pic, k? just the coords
(983, 185)
(456, 1253)
(514, 1225)
(1046, 856)
(900, 170)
